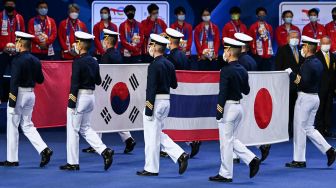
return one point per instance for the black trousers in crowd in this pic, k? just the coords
(132, 59)
(264, 64)
(292, 99)
(5, 62)
(207, 65)
(323, 119)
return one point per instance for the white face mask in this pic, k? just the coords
(76, 49)
(206, 18)
(181, 17)
(302, 53)
(155, 16)
(151, 51)
(293, 42)
(73, 15)
(104, 45)
(104, 16)
(17, 49)
(313, 18)
(288, 20)
(325, 47)
(224, 58)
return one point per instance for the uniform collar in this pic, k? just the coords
(158, 57)
(110, 49)
(85, 54)
(310, 57)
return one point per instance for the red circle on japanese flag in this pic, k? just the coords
(263, 108)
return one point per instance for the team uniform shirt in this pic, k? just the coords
(112, 56)
(85, 75)
(10, 24)
(179, 59)
(26, 72)
(131, 38)
(233, 27)
(41, 28)
(247, 62)
(66, 35)
(262, 34)
(148, 26)
(281, 34)
(186, 41)
(233, 82)
(309, 77)
(99, 35)
(331, 32)
(206, 38)
(160, 78)
(315, 31)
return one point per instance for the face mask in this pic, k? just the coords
(9, 8)
(130, 16)
(73, 15)
(17, 49)
(104, 45)
(76, 49)
(43, 11)
(288, 20)
(293, 42)
(334, 17)
(224, 58)
(155, 16)
(235, 16)
(261, 18)
(151, 51)
(181, 17)
(206, 18)
(313, 18)
(325, 47)
(302, 53)
(104, 16)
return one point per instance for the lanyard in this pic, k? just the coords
(314, 29)
(237, 29)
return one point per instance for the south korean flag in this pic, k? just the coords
(120, 99)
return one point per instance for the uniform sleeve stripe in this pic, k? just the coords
(11, 96)
(149, 105)
(298, 79)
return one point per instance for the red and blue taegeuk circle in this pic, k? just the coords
(120, 98)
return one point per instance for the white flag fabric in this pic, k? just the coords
(120, 98)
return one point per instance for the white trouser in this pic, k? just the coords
(79, 121)
(22, 116)
(304, 116)
(153, 137)
(228, 126)
(124, 135)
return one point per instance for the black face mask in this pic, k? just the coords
(334, 17)
(130, 16)
(9, 8)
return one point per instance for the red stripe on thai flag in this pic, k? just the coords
(192, 135)
(198, 76)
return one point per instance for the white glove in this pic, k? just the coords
(11, 110)
(219, 121)
(149, 118)
(289, 70)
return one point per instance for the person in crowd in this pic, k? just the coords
(282, 31)
(66, 32)
(44, 29)
(261, 46)
(207, 42)
(314, 29)
(331, 31)
(235, 25)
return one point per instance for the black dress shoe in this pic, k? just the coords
(45, 156)
(264, 151)
(164, 154)
(130, 143)
(195, 146)
(331, 155)
(254, 166)
(69, 167)
(236, 160)
(89, 150)
(183, 162)
(108, 158)
(9, 164)
(146, 173)
(220, 178)
(296, 164)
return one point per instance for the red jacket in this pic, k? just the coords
(316, 31)
(187, 31)
(265, 43)
(66, 30)
(8, 36)
(281, 34)
(99, 35)
(331, 32)
(200, 38)
(48, 27)
(148, 26)
(233, 27)
(127, 29)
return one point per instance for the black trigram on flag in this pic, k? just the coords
(134, 114)
(106, 115)
(106, 83)
(134, 82)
